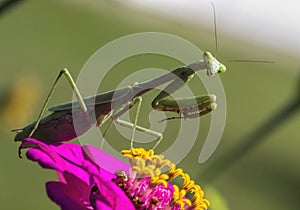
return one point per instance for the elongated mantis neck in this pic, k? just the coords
(199, 65)
(181, 72)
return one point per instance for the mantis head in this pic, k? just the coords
(212, 64)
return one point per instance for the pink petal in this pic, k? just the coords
(72, 195)
(112, 193)
(106, 161)
(63, 157)
(78, 173)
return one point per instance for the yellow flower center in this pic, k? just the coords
(146, 164)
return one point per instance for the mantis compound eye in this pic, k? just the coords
(222, 69)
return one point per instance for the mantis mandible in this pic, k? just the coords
(59, 125)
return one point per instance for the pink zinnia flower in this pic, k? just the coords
(84, 184)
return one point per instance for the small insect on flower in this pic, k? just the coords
(84, 184)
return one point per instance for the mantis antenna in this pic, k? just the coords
(250, 61)
(216, 42)
(215, 28)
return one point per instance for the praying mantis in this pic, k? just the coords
(96, 110)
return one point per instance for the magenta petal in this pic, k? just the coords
(63, 157)
(72, 195)
(60, 194)
(112, 193)
(106, 161)
(43, 159)
(84, 185)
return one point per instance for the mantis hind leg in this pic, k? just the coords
(68, 76)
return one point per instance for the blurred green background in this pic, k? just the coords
(37, 38)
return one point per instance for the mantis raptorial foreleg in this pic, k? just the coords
(68, 76)
(190, 107)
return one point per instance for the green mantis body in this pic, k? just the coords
(59, 125)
